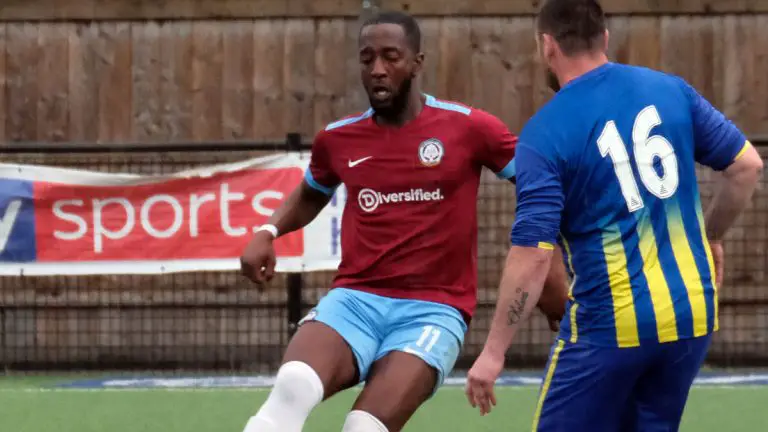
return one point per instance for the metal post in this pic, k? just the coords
(294, 281)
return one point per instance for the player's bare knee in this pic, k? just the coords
(398, 385)
(362, 421)
(336, 363)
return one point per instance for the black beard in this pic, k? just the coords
(395, 109)
(552, 81)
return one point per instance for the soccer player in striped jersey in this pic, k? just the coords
(607, 169)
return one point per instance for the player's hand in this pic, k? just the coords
(554, 316)
(554, 324)
(718, 256)
(481, 379)
(258, 260)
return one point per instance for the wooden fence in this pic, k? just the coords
(57, 10)
(259, 79)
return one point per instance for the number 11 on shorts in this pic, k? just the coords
(425, 335)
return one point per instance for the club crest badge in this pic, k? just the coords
(431, 152)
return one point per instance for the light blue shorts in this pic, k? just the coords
(374, 326)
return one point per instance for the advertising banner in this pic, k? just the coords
(56, 221)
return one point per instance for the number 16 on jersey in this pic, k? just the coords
(646, 149)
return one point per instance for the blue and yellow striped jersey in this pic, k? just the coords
(607, 170)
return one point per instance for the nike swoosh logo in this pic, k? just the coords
(353, 164)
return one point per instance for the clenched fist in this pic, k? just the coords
(258, 260)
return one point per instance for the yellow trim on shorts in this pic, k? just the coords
(574, 328)
(547, 382)
(545, 245)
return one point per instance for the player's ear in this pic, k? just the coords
(548, 46)
(418, 63)
(605, 40)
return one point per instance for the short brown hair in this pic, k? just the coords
(577, 25)
(407, 22)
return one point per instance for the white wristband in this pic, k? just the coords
(269, 227)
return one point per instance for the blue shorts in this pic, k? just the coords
(601, 389)
(374, 326)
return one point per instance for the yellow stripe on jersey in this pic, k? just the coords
(547, 246)
(546, 384)
(661, 298)
(711, 263)
(686, 264)
(743, 150)
(621, 290)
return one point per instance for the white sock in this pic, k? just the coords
(296, 392)
(361, 421)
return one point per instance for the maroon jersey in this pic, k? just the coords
(409, 227)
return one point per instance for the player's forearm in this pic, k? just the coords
(736, 189)
(519, 292)
(300, 208)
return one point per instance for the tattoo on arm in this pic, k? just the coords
(517, 307)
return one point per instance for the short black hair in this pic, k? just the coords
(407, 22)
(577, 25)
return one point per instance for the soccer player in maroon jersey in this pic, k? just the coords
(405, 290)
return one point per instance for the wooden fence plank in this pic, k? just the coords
(355, 97)
(430, 46)
(268, 80)
(689, 53)
(145, 81)
(84, 40)
(752, 78)
(330, 74)
(22, 90)
(299, 71)
(760, 83)
(487, 63)
(645, 43)
(207, 79)
(113, 71)
(176, 81)
(618, 40)
(521, 72)
(734, 102)
(717, 63)
(237, 87)
(53, 83)
(3, 79)
(455, 66)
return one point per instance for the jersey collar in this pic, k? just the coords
(600, 70)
